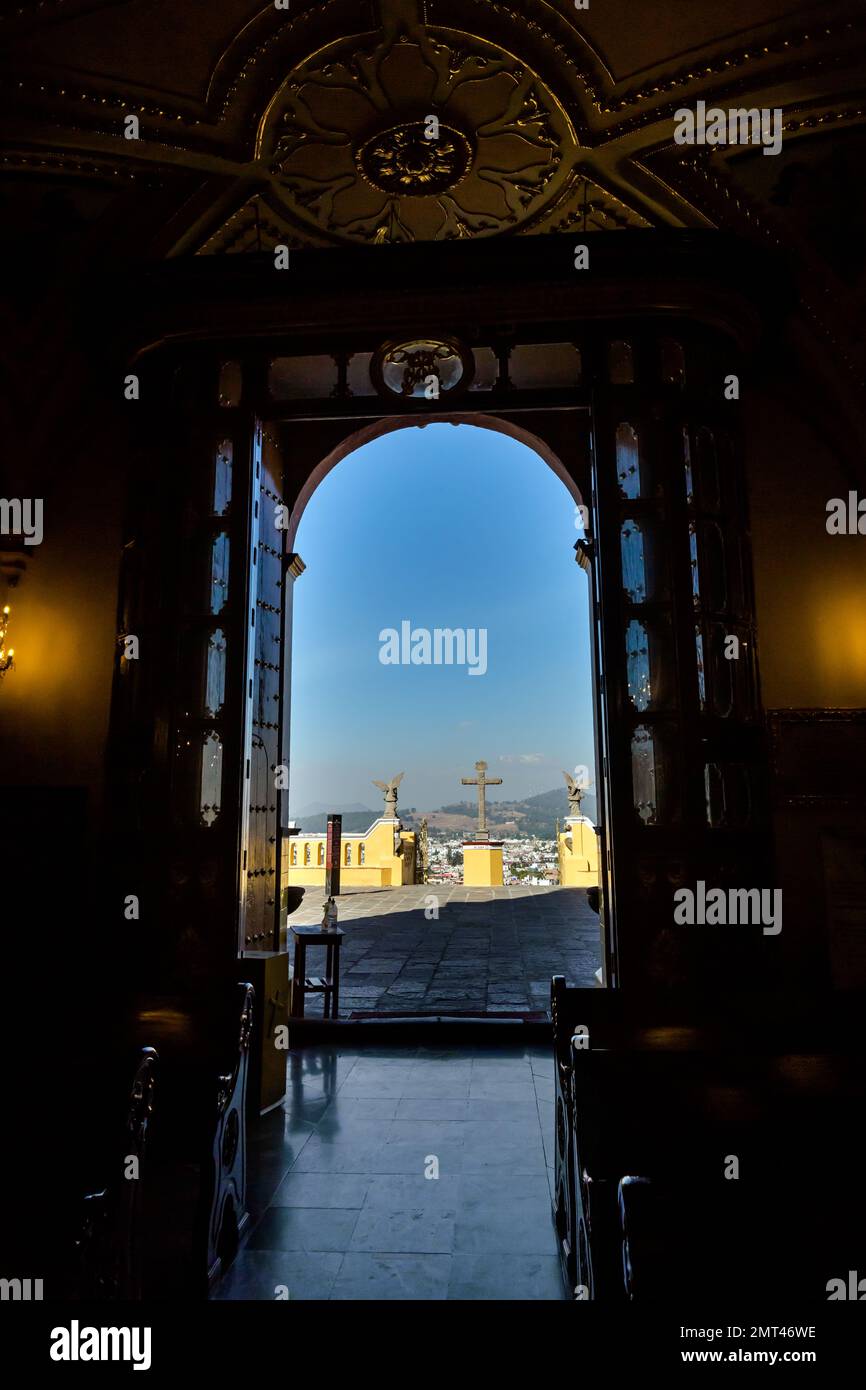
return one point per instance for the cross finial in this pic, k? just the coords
(481, 781)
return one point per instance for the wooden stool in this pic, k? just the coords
(327, 985)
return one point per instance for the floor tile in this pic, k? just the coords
(319, 1156)
(382, 1082)
(320, 1190)
(408, 1215)
(508, 1216)
(429, 1107)
(451, 1083)
(497, 1088)
(259, 1274)
(346, 1108)
(378, 1276)
(512, 1108)
(319, 1229)
(409, 1156)
(514, 1159)
(341, 1187)
(505, 1277)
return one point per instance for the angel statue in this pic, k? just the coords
(575, 793)
(390, 790)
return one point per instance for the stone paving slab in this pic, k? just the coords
(490, 950)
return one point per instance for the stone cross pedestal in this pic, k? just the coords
(482, 864)
(482, 857)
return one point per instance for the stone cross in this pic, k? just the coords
(481, 782)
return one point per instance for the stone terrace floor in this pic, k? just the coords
(492, 950)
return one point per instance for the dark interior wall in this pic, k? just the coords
(54, 721)
(55, 703)
(811, 609)
(65, 441)
(810, 586)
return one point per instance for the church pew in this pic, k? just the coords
(168, 1234)
(110, 1238)
(570, 1008)
(81, 1014)
(646, 1116)
(199, 1191)
(680, 1119)
(84, 1232)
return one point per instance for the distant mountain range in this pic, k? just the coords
(532, 815)
(355, 817)
(319, 808)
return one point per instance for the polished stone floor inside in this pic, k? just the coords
(486, 950)
(341, 1202)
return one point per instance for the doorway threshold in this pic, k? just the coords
(358, 1028)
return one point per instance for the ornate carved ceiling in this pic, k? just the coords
(307, 124)
(417, 133)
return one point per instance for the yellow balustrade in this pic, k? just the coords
(368, 859)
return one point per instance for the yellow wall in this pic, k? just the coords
(482, 866)
(382, 868)
(578, 855)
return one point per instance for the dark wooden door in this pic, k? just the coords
(197, 718)
(684, 743)
(258, 912)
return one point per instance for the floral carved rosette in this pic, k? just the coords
(419, 136)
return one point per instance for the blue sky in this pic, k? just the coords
(450, 527)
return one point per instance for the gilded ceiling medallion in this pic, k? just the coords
(409, 161)
(348, 139)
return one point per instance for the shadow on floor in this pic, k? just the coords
(441, 948)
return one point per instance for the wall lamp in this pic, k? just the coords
(7, 654)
